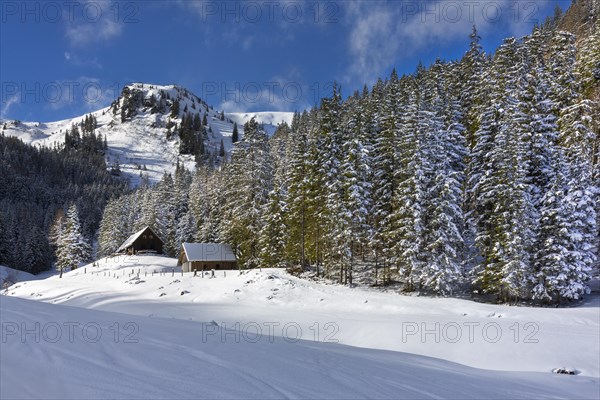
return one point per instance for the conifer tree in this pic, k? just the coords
(406, 233)
(4, 252)
(112, 230)
(272, 240)
(443, 154)
(385, 105)
(175, 109)
(297, 216)
(505, 209)
(222, 149)
(235, 136)
(552, 258)
(354, 167)
(249, 178)
(473, 66)
(73, 249)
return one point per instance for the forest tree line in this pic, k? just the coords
(37, 186)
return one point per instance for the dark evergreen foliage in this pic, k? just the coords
(235, 136)
(35, 183)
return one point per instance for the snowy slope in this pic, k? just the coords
(525, 343)
(114, 355)
(11, 276)
(141, 141)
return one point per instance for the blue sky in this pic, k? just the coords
(62, 59)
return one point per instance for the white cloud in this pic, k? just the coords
(77, 61)
(14, 99)
(96, 25)
(247, 43)
(95, 95)
(380, 32)
(371, 42)
(236, 23)
(83, 94)
(274, 95)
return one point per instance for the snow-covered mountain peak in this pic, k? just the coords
(150, 128)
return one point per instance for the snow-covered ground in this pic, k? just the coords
(197, 337)
(10, 276)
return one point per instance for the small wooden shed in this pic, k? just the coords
(145, 240)
(206, 256)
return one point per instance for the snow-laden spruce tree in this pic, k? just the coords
(148, 215)
(579, 140)
(552, 258)
(73, 249)
(187, 229)
(470, 76)
(273, 235)
(504, 213)
(567, 225)
(443, 155)
(274, 232)
(355, 166)
(383, 105)
(329, 168)
(116, 225)
(297, 220)
(57, 229)
(165, 205)
(406, 233)
(247, 180)
(203, 198)
(472, 80)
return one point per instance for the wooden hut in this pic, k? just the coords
(206, 256)
(143, 241)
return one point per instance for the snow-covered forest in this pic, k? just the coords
(479, 174)
(36, 184)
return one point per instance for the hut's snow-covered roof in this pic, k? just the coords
(208, 252)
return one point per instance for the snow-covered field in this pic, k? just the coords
(266, 334)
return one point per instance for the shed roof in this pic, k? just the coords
(133, 238)
(208, 252)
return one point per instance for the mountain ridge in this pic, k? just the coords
(143, 130)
